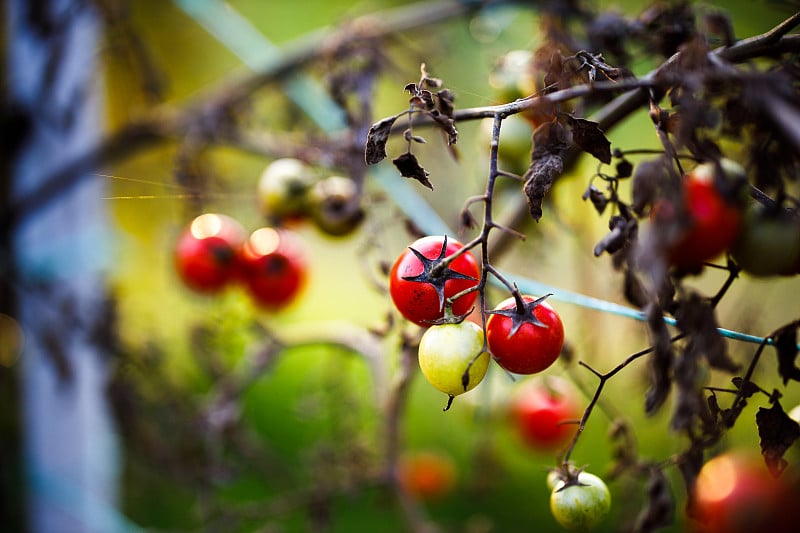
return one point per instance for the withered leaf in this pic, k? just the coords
(786, 346)
(624, 169)
(409, 167)
(689, 405)
(660, 509)
(647, 180)
(622, 229)
(695, 316)
(777, 432)
(590, 138)
(550, 138)
(447, 125)
(746, 388)
(633, 289)
(377, 137)
(597, 197)
(689, 463)
(661, 361)
(539, 179)
(547, 163)
(445, 99)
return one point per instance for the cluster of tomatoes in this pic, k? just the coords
(436, 276)
(433, 283)
(763, 241)
(215, 251)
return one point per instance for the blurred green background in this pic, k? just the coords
(312, 421)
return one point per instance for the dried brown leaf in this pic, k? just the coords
(590, 138)
(409, 167)
(377, 137)
(777, 432)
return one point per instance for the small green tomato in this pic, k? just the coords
(582, 505)
(445, 352)
(282, 188)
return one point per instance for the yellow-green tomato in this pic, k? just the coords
(282, 188)
(445, 352)
(580, 506)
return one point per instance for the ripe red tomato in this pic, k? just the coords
(527, 343)
(205, 254)
(419, 289)
(734, 493)
(273, 266)
(428, 475)
(541, 410)
(713, 223)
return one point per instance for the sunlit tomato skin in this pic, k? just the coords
(713, 221)
(205, 253)
(273, 266)
(427, 475)
(768, 244)
(544, 412)
(532, 348)
(735, 493)
(445, 354)
(418, 301)
(580, 506)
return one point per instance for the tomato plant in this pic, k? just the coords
(282, 188)
(580, 504)
(544, 412)
(427, 475)
(273, 266)
(205, 253)
(419, 282)
(735, 493)
(450, 357)
(713, 220)
(525, 336)
(769, 243)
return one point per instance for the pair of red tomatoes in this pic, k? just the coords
(214, 251)
(525, 336)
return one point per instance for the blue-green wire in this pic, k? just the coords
(237, 34)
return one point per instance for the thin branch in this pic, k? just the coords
(166, 122)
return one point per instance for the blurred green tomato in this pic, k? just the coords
(282, 188)
(768, 244)
(335, 205)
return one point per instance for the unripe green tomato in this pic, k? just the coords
(282, 188)
(445, 352)
(581, 506)
(768, 244)
(512, 77)
(335, 205)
